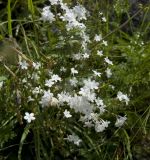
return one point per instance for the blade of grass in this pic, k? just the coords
(9, 18)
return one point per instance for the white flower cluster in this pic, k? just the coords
(82, 95)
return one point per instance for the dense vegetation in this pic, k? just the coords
(74, 80)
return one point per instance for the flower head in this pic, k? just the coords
(29, 117)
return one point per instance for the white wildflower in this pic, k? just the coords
(49, 83)
(54, 2)
(90, 84)
(123, 97)
(97, 73)
(80, 12)
(107, 60)
(1, 84)
(108, 72)
(67, 114)
(36, 65)
(120, 121)
(74, 138)
(105, 43)
(74, 71)
(103, 19)
(101, 126)
(98, 38)
(73, 81)
(100, 53)
(29, 117)
(47, 15)
(46, 98)
(55, 78)
(23, 65)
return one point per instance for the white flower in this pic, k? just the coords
(85, 56)
(120, 121)
(98, 38)
(100, 53)
(63, 97)
(123, 97)
(29, 117)
(74, 71)
(37, 90)
(74, 138)
(80, 12)
(55, 78)
(35, 76)
(103, 19)
(73, 81)
(63, 69)
(101, 126)
(108, 61)
(105, 43)
(97, 73)
(91, 84)
(30, 99)
(47, 15)
(54, 2)
(46, 99)
(24, 65)
(80, 104)
(1, 84)
(108, 73)
(99, 102)
(49, 83)
(67, 114)
(36, 65)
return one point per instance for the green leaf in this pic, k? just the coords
(3, 78)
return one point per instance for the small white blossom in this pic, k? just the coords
(123, 97)
(23, 65)
(1, 84)
(54, 2)
(36, 65)
(103, 19)
(46, 99)
(108, 72)
(85, 56)
(108, 61)
(101, 126)
(49, 83)
(100, 53)
(29, 117)
(55, 78)
(105, 43)
(74, 71)
(74, 138)
(73, 81)
(30, 99)
(120, 121)
(97, 73)
(98, 38)
(67, 114)
(90, 84)
(80, 12)
(47, 15)
(37, 90)
(63, 69)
